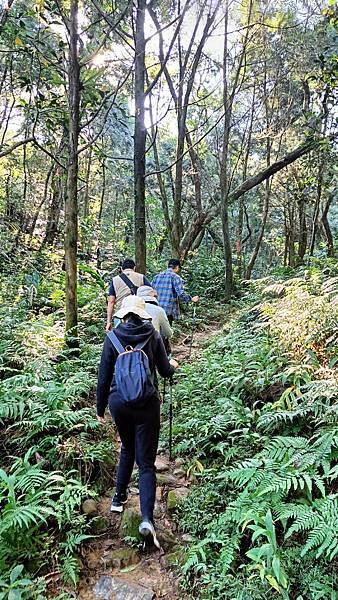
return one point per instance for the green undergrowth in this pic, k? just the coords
(54, 453)
(256, 422)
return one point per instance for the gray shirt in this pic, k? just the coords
(159, 319)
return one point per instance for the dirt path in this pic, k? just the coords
(118, 569)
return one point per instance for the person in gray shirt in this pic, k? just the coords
(159, 318)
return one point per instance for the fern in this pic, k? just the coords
(321, 520)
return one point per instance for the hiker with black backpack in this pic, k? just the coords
(126, 382)
(121, 286)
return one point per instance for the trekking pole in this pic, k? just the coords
(192, 329)
(170, 419)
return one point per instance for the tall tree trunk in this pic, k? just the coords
(302, 241)
(327, 228)
(240, 223)
(42, 202)
(253, 257)
(291, 248)
(86, 191)
(316, 209)
(71, 203)
(99, 217)
(58, 193)
(224, 184)
(320, 178)
(140, 140)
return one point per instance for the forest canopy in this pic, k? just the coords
(162, 128)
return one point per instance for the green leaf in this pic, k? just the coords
(273, 582)
(16, 572)
(276, 567)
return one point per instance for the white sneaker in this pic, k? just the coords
(147, 530)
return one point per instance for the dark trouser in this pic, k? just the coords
(165, 340)
(139, 432)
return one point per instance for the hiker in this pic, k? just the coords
(158, 315)
(122, 286)
(137, 421)
(170, 290)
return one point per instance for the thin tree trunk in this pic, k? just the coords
(316, 209)
(291, 249)
(58, 185)
(86, 192)
(99, 217)
(160, 181)
(252, 260)
(43, 201)
(71, 203)
(302, 243)
(286, 239)
(320, 178)
(140, 140)
(327, 228)
(224, 168)
(239, 241)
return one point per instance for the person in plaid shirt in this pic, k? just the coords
(170, 290)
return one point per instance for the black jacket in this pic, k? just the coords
(130, 333)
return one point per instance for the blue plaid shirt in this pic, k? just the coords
(170, 289)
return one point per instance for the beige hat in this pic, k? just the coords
(134, 305)
(147, 293)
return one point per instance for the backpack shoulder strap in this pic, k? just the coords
(116, 342)
(129, 283)
(142, 344)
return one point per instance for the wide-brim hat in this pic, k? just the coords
(134, 305)
(145, 292)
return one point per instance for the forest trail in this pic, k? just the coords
(113, 570)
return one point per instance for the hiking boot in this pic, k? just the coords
(147, 530)
(118, 500)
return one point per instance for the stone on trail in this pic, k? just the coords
(120, 558)
(129, 524)
(113, 588)
(175, 497)
(166, 479)
(166, 537)
(161, 465)
(99, 525)
(90, 507)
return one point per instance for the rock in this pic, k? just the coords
(134, 491)
(120, 558)
(186, 537)
(157, 510)
(166, 479)
(166, 537)
(175, 497)
(176, 557)
(179, 462)
(89, 507)
(113, 588)
(161, 465)
(99, 525)
(179, 472)
(129, 524)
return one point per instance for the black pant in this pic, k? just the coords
(165, 340)
(139, 432)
